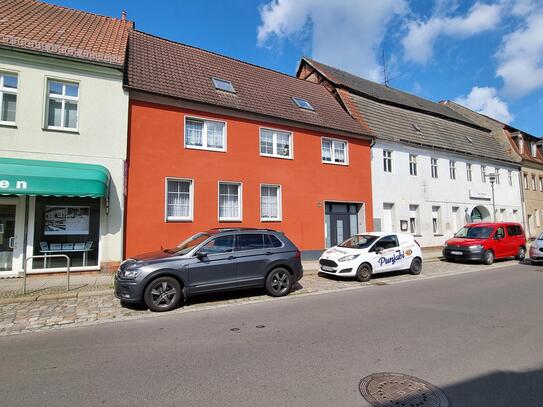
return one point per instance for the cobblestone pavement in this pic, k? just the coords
(100, 306)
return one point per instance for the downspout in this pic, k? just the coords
(522, 205)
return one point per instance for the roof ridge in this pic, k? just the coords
(225, 56)
(77, 10)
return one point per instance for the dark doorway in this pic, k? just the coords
(341, 222)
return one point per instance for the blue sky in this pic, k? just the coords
(486, 54)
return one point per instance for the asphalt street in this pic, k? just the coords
(476, 336)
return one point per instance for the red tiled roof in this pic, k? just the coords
(172, 69)
(51, 29)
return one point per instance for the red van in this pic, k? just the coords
(485, 242)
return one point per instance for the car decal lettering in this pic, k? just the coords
(391, 259)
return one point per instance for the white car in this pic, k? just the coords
(536, 250)
(369, 253)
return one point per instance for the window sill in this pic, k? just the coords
(331, 163)
(177, 220)
(216, 150)
(276, 156)
(8, 124)
(438, 235)
(231, 220)
(271, 220)
(59, 130)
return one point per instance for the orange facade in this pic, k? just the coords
(157, 151)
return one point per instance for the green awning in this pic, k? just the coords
(52, 178)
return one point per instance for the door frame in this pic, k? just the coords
(361, 214)
(18, 202)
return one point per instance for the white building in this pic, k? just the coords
(431, 166)
(63, 134)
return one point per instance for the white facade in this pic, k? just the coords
(433, 209)
(100, 138)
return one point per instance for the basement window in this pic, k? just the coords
(221, 84)
(303, 104)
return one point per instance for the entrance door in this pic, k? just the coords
(342, 222)
(7, 236)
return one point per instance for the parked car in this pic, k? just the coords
(215, 260)
(366, 254)
(536, 250)
(485, 242)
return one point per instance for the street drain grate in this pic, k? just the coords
(400, 390)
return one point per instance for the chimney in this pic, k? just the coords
(123, 15)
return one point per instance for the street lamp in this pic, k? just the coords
(492, 179)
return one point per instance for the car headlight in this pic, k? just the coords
(349, 258)
(475, 246)
(129, 273)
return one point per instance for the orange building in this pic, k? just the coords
(217, 143)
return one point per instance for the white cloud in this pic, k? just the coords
(520, 58)
(421, 36)
(486, 101)
(344, 33)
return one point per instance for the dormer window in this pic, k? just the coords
(533, 146)
(221, 84)
(303, 104)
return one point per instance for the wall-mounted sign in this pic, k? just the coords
(66, 220)
(479, 195)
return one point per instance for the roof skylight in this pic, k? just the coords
(221, 84)
(302, 103)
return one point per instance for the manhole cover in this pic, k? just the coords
(397, 390)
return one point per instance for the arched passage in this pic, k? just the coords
(480, 214)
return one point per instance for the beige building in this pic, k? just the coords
(527, 151)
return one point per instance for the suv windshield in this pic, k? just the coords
(189, 244)
(475, 232)
(359, 241)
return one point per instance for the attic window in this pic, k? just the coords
(416, 127)
(471, 141)
(303, 104)
(221, 84)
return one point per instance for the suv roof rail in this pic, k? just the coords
(243, 228)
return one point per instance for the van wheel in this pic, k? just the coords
(416, 266)
(278, 282)
(488, 257)
(363, 274)
(162, 294)
(521, 254)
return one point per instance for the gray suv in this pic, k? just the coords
(215, 260)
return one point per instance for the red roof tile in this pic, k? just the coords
(172, 69)
(51, 29)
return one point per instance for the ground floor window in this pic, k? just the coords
(69, 226)
(270, 202)
(229, 201)
(436, 220)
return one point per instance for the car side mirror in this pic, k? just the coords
(201, 255)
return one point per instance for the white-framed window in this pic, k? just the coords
(275, 143)
(525, 178)
(230, 201)
(270, 202)
(335, 151)
(497, 173)
(433, 167)
(436, 220)
(533, 147)
(179, 199)
(9, 83)
(452, 169)
(469, 174)
(510, 177)
(62, 105)
(533, 183)
(483, 173)
(205, 134)
(413, 164)
(541, 184)
(414, 219)
(387, 161)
